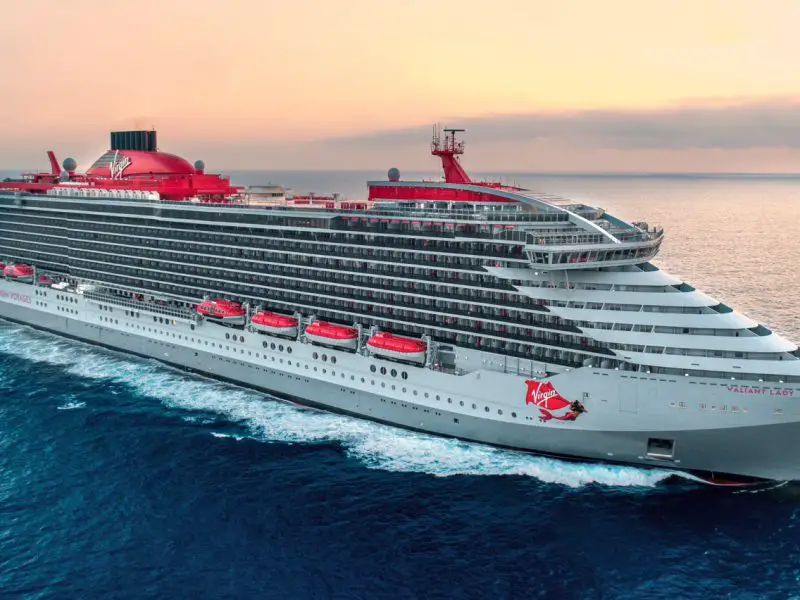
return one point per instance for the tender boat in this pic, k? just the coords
(22, 273)
(223, 311)
(46, 280)
(328, 334)
(397, 347)
(274, 324)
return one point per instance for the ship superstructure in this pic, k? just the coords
(539, 318)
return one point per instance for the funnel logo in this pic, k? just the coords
(118, 166)
(550, 403)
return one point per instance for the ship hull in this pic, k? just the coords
(758, 442)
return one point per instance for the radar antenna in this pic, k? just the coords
(448, 149)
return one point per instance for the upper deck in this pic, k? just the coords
(556, 233)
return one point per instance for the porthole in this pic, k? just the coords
(426, 394)
(474, 407)
(394, 373)
(289, 350)
(263, 344)
(499, 412)
(383, 370)
(437, 397)
(513, 414)
(372, 368)
(461, 402)
(404, 390)
(227, 336)
(272, 346)
(155, 319)
(415, 392)
(404, 375)
(241, 338)
(280, 348)
(486, 408)
(333, 360)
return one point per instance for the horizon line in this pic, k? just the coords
(763, 174)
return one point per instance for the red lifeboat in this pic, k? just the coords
(328, 334)
(274, 324)
(397, 347)
(222, 311)
(46, 280)
(19, 272)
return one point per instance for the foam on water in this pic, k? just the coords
(266, 419)
(71, 406)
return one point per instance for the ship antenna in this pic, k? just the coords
(448, 150)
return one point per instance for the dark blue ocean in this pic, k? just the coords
(122, 478)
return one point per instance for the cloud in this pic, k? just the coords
(748, 135)
(758, 123)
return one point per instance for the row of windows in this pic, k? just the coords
(212, 254)
(503, 311)
(396, 314)
(367, 315)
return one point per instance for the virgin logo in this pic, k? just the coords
(551, 404)
(118, 166)
(544, 395)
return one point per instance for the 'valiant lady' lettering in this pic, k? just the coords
(755, 391)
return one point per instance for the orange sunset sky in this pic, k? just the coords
(540, 85)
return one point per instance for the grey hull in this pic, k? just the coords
(761, 444)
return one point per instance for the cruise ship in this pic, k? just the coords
(461, 308)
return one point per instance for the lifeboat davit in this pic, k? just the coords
(328, 334)
(222, 311)
(19, 272)
(397, 347)
(274, 324)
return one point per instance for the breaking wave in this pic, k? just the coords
(266, 419)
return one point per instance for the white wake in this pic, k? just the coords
(265, 419)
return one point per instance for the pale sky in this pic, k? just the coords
(559, 85)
